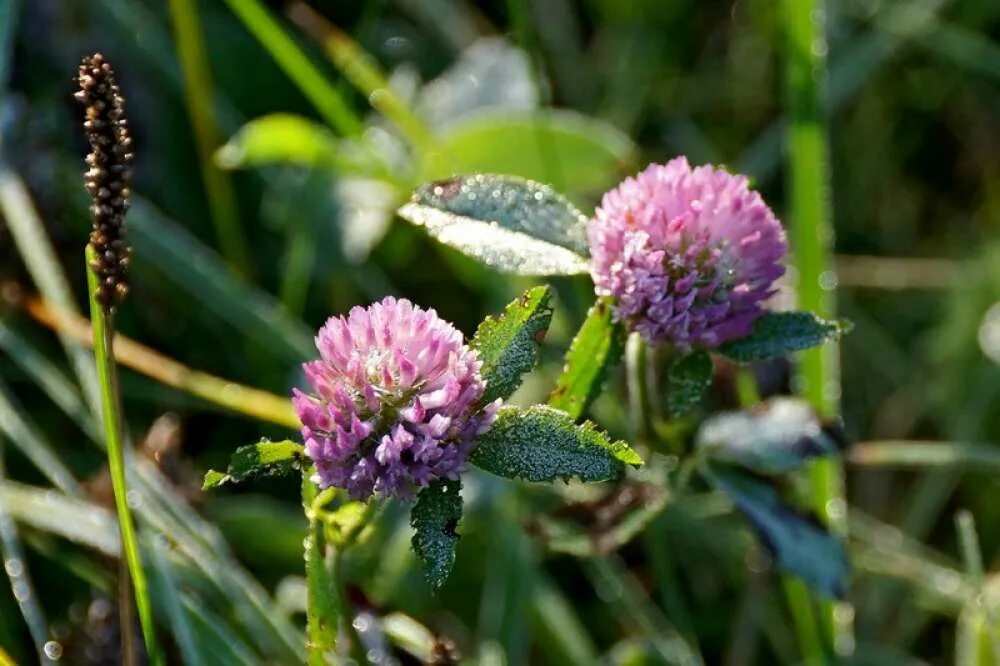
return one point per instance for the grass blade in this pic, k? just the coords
(199, 93)
(162, 580)
(182, 258)
(241, 399)
(40, 259)
(811, 233)
(917, 454)
(297, 66)
(16, 567)
(362, 70)
(25, 435)
(49, 378)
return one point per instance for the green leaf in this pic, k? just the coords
(508, 343)
(597, 346)
(779, 333)
(798, 543)
(543, 444)
(261, 459)
(434, 519)
(687, 380)
(510, 224)
(284, 138)
(582, 153)
(776, 437)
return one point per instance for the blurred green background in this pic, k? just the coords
(242, 253)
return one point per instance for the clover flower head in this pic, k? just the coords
(394, 401)
(687, 254)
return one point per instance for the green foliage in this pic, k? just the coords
(543, 444)
(510, 224)
(284, 138)
(261, 459)
(595, 348)
(688, 379)
(778, 437)
(508, 343)
(434, 519)
(780, 333)
(561, 147)
(799, 544)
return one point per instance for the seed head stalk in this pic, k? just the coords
(107, 258)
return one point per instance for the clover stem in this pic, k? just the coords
(637, 369)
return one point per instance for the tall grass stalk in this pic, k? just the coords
(107, 377)
(199, 96)
(812, 240)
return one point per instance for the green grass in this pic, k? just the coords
(812, 237)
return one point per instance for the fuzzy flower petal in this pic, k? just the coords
(393, 400)
(687, 254)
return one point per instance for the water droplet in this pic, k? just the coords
(836, 509)
(21, 590)
(819, 48)
(828, 281)
(14, 567)
(989, 333)
(53, 650)
(133, 498)
(361, 623)
(844, 645)
(538, 196)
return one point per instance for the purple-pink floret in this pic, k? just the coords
(687, 254)
(394, 401)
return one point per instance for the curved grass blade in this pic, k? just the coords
(200, 272)
(25, 435)
(16, 567)
(49, 378)
(290, 57)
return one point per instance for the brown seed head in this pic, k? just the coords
(108, 175)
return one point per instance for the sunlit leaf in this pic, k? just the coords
(261, 459)
(597, 346)
(778, 436)
(543, 444)
(687, 380)
(434, 519)
(507, 223)
(508, 343)
(561, 147)
(780, 333)
(798, 543)
(280, 138)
